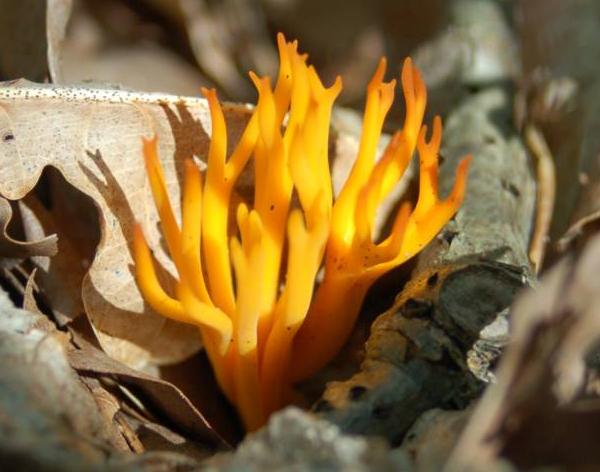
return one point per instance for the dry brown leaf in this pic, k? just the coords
(48, 417)
(539, 412)
(9, 247)
(108, 407)
(93, 138)
(168, 398)
(156, 437)
(74, 219)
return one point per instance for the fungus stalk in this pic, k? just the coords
(262, 327)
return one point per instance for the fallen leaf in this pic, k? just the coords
(168, 398)
(29, 302)
(540, 411)
(74, 218)
(93, 138)
(108, 407)
(9, 247)
(48, 417)
(156, 437)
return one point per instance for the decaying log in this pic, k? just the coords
(433, 347)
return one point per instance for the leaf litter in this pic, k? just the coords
(547, 380)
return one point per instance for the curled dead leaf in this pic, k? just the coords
(12, 248)
(166, 396)
(93, 138)
(74, 218)
(48, 416)
(541, 411)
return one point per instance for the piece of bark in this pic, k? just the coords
(432, 347)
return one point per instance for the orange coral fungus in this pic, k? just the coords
(262, 327)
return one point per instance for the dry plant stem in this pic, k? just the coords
(564, 104)
(260, 337)
(546, 194)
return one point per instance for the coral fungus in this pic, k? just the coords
(262, 327)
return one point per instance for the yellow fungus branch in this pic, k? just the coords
(353, 261)
(148, 282)
(262, 325)
(191, 232)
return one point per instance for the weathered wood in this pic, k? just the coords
(431, 347)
